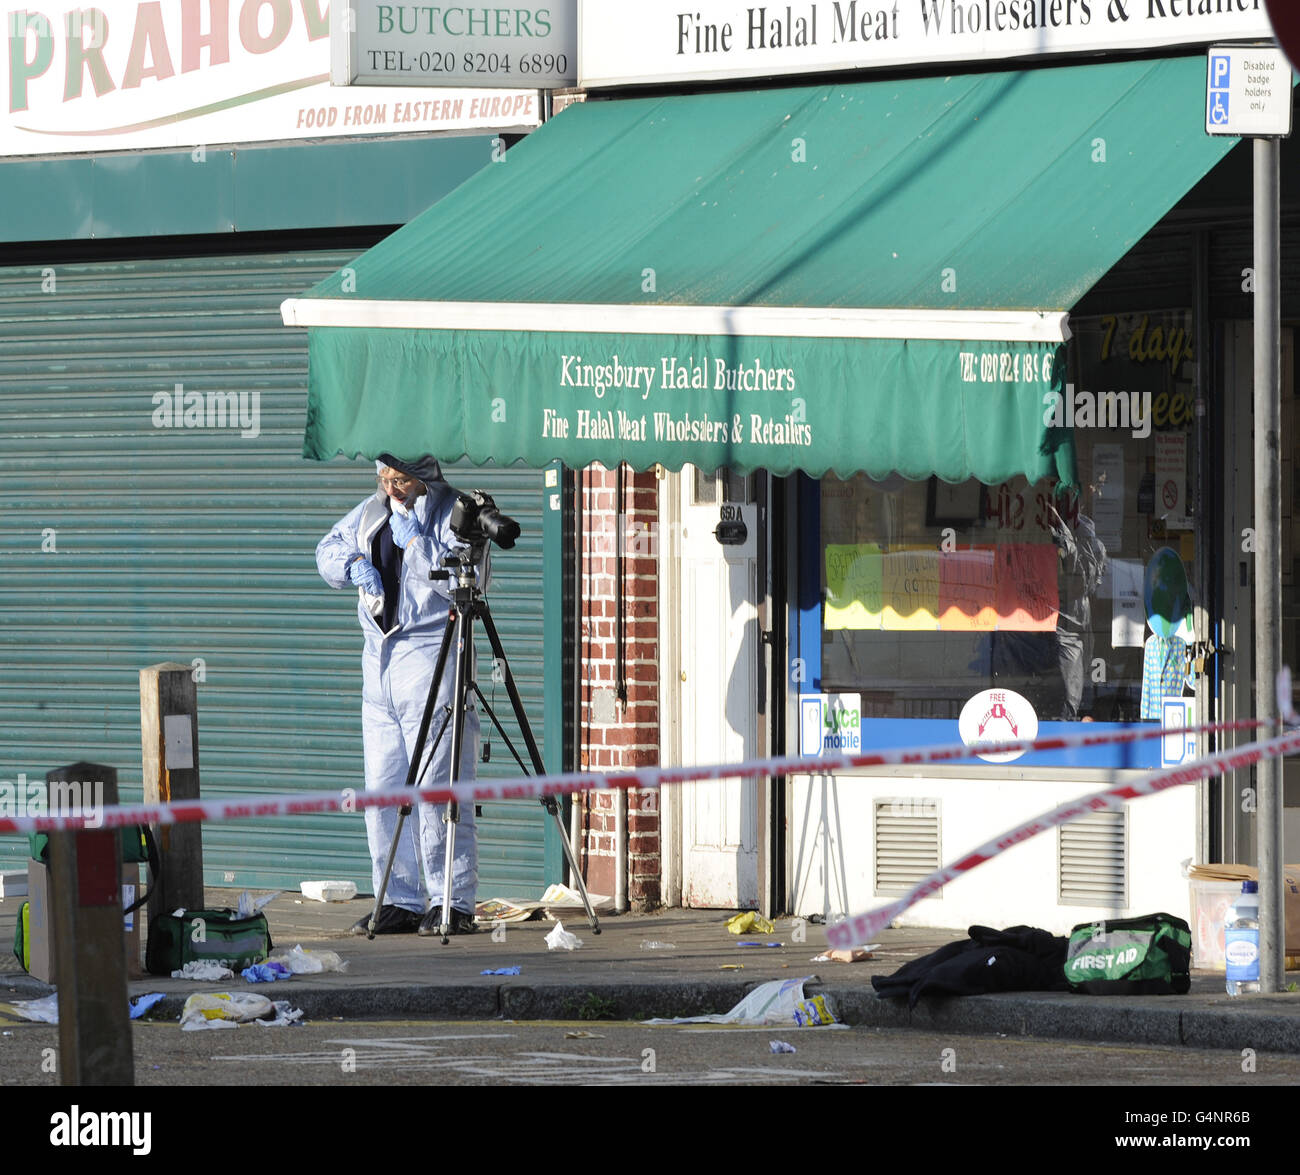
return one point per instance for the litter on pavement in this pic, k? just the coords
(749, 921)
(203, 970)
(249, 905)
(556, 901)
(230, 1009)
(302, 962)
(781, 1001)
(561, 940)
(852, 955)
(266, 972)
(46, 1009)
(329, 891)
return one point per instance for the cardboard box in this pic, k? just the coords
(41, 926)
(1214, 890)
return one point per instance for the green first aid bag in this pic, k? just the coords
(137, 845)
(23, 937)
(1150, 955)
(211, 936)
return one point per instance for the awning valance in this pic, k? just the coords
(869, 277)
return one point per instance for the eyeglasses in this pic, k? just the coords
(396, 483)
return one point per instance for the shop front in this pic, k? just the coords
(897, 474)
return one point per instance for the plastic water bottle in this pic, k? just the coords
(1241, 942)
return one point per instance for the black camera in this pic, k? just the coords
(475, 518)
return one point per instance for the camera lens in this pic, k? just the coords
(500, 529)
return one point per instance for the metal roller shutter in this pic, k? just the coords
(129, 541)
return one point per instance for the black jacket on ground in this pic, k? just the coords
(1020, 958)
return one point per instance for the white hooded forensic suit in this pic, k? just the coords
(404, 629)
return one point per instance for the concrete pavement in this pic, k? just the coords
(704, 970)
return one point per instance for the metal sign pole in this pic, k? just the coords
(1268, 556)
(1248, 93)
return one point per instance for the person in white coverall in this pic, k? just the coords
(386, 548)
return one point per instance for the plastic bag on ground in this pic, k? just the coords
(302, 962)
(561, 940)
(249, 905)
(781, 1001)
(46, 1009)
(750, 920)
(222, 1009)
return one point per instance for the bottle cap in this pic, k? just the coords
(1250, 887)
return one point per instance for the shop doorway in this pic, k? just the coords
(1236, 639)
(718, 661)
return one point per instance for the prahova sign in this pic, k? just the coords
(152, 74)
(665, 41)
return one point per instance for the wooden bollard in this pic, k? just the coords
(86, 919)
(169, 734)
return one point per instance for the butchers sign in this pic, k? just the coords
(665, 41)
(378, 43)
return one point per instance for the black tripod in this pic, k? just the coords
(467, 602)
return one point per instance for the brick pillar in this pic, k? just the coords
(619, 728)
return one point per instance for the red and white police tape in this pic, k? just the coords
(861, 928)
(540, 786)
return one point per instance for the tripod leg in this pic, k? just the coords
(521, 717)
(448, 863)
(464, 650)
(402, 814)
(412, 773)
(551, 806)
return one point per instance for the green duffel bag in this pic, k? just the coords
(138, 846)
(1150, 955)
(210, 936)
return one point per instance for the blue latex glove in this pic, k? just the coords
(266, 972)
(362, 572)
(404, 528)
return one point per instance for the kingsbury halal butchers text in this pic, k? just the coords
(671, 373)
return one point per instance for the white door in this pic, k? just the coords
(719, 659)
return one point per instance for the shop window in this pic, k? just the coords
(1074, 596)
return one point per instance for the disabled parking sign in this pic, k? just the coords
(1216, 107)
(1247, 91)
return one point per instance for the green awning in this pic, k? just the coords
(868, 277)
